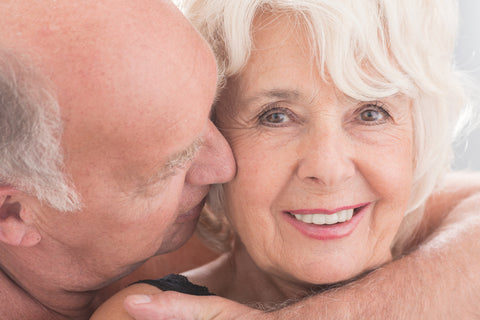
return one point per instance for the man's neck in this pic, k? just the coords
(17, 303)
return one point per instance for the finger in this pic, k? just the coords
(174, 305)
(166, 305)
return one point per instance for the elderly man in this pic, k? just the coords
(132, 84)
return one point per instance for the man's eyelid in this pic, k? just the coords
(169, 169)
(181, 159)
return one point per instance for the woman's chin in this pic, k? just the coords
(336, 276)
(331, 279)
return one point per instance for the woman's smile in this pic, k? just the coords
(327, 224)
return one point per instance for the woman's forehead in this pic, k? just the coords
(353, 69)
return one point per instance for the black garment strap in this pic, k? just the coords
(179, 283)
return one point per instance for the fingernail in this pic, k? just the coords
(140, 298)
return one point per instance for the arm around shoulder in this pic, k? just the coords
(440, 279)
(113, 308)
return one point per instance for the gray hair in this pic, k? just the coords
(30, 132)
(370, 49)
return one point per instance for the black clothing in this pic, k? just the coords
(179, 283)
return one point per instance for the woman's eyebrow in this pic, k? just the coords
(283, 94)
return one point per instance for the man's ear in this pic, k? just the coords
(14, 229)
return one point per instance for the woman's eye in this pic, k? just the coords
(275, 116)
(374, 114)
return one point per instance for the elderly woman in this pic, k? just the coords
(340, 115)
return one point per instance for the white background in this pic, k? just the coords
(468, 58)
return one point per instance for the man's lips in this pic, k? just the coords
(191, 214)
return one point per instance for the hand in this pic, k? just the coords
(174, 305)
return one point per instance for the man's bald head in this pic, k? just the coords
(133, 83)
(78, 42)
(87, 51)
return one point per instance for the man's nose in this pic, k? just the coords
(214, 162)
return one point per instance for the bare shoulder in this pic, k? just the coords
(113, 307)
(455, 188)
(215, 275)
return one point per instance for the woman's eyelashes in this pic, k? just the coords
(372, 113)
(274, 115)
(368, 113)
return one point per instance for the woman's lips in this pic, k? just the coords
(321, 218)
(327, 224)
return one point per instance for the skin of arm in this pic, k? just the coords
(438, 279)
(112, 308)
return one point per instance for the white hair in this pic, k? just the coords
(371, 49)
(30, 132)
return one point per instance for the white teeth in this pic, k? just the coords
(320, 218)
(331, 218)
(317, 218)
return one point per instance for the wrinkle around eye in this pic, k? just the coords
(384, 134)
(245, 127)
(248, 133)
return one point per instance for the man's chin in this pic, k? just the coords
(177, 236)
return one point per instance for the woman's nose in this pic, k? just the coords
(326, 159)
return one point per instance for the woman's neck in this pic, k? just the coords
(235, 276)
